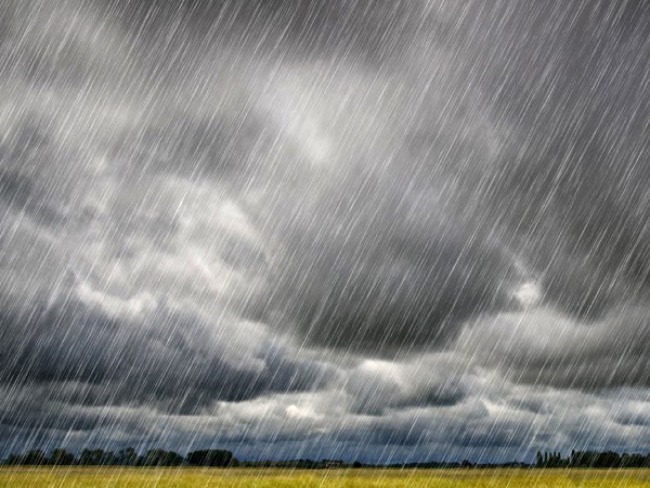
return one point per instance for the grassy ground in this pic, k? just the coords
(262, 478)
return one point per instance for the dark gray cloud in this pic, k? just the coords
(369, 32)
(577, 183)
(177, 364)
(376, 280)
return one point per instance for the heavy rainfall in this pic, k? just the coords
(385, 231)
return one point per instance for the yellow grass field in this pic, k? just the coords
(262, 478)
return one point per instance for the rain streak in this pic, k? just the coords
(377, 231)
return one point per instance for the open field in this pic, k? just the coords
(197, 477)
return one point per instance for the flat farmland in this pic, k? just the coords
(253, 477)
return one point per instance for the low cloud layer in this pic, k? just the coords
(405, 230)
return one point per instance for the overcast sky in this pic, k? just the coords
(387, 230)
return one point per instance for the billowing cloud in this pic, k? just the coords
(544, 347)
(165, 358)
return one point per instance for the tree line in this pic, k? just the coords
(224, 458)
(592, 459)
(124, 457)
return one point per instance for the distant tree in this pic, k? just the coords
(635, 460)
(127, 457)
(107, 458)
(89, 457)
(608, 459)
(210, 457)
(35, 457)
(158, 457)
(61, 457)
(540, 459)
